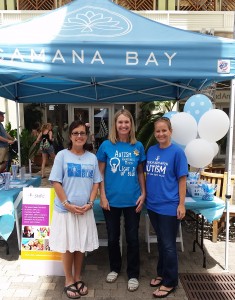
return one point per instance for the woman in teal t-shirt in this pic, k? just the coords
(122, 191)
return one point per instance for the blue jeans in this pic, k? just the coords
(166, 228)
(131, 221)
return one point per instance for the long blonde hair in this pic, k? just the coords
(113, 136)
(46, 126)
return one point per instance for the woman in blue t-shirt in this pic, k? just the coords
(122, 191)
(75, 177)
(166, 171)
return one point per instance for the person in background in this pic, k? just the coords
(57, 139)
(45, 138)
(90, 140)
(166, 172)
(5, 141)
(75, 177)
(36, 129)
(122, 191)
(65, 134)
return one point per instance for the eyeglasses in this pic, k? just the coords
(76, 133)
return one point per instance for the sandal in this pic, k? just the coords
(81, 288)
(111, 277)
(71, 288)
(132, 284)
(167, 292)
(156, 284)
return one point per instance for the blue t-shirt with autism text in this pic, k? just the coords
(122, 186)
(164, 167)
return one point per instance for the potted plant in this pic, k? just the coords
(27, 148)
(150, 111)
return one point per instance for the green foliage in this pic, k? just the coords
(12, 132)
(27, 148)
(150, 111)
(145, 131)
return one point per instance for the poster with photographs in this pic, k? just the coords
(37, 209)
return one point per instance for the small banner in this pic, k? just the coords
(36, 257)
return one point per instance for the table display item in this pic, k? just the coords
(14, 170)
(195, 190)
(209, 191)
(193, 176)
(6, 180)
(22, 174)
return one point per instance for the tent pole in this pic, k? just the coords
(18, 131)
(229, 170)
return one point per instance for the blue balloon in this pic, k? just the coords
(170, 114)
(197, 105)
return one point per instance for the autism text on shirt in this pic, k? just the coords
(156, 168)
(122, 154)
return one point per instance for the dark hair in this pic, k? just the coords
(76, 124)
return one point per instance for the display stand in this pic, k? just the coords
(36, 257)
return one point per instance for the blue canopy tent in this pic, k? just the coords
(92, 51)
(96, 51)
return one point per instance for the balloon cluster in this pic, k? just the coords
(198, 128)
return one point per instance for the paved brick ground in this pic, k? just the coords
(14, 285)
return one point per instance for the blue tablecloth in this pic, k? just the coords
(98, 212)
(211, 210)
(7, 198)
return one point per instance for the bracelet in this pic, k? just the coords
(65, 202)
(91, 203)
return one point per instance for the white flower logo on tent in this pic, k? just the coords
(89, 21)
(95, 21)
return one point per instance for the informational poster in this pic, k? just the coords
(36, 256)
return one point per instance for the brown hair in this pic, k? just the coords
(74, 125)
(166, 120)
(113, 136)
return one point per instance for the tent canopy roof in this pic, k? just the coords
(96, 51)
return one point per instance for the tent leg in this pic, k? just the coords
(229, 169)
(18, 132)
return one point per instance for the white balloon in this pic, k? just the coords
(213, 125)
(215, 147)
(184, 128)
(199, 153)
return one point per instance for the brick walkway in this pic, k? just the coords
(14, 285)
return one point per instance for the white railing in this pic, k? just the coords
(15, 16)
(219, 21)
